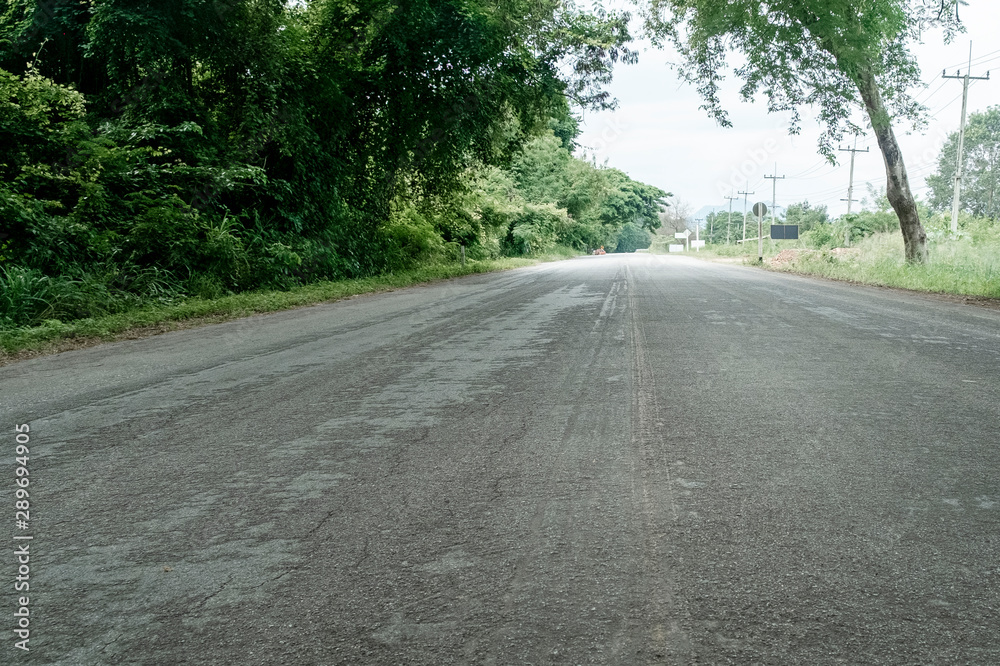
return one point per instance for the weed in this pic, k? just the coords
(43, 328)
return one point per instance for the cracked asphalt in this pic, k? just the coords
(610, 460)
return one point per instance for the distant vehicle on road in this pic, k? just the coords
(600, 250)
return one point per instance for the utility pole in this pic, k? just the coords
(729, 223)
(774, 189)
(850, 187)
(745, 195)
(961, 135)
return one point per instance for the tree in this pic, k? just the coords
(629, 201)
(50, 34)
(632, 238)
(833, 55)
(541, 170)
(980, 171)
(599, 201)
(676, 218)
(714, 229)
(194, 146)
(806, 216)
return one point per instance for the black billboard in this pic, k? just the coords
(784, 232)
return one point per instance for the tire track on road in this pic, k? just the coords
(654, 494)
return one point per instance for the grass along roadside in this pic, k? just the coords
(952, 269)
(965, 266)
(54, 336)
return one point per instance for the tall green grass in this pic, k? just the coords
(967, 264)
(107, 325)
(956, 265)
(28, 297)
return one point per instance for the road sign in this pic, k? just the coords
(676, 247)
(759, 210)
(697, 243)
(683, 234)
(784, 231)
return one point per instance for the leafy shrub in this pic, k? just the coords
(867, 223)
(589, 234)
(536, 228)
(411, 238)
(130, 284)
(175, 237)
(981, 231)
(632, 238)
(822, 237)
(281, 263)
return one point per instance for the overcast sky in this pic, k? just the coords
(658, 135)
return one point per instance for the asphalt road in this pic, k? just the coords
(610, 460)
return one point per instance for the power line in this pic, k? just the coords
(827, 174)
(979, 60)
(936, 91)
(934, 114)
(809, 170)
(986, 61)
(972, 84)
(827, 194)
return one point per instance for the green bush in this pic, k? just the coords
(175, 237)
(867, 223)
(632, 238)
(536, 229)
(411, 239)
(823, 237)
(111, 205)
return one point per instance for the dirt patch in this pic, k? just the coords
(787, 257)
(726, 260)
(844, 252)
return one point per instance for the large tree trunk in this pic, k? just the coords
(898, 183)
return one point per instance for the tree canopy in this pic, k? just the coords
(194, 147)
(807, 217)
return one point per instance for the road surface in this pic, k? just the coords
(610, 460)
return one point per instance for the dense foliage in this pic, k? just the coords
(157, 150)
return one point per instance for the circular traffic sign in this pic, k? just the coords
(759, 209)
